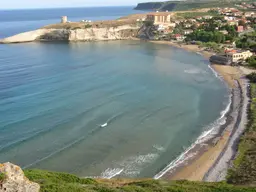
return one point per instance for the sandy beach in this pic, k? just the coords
(213, 157)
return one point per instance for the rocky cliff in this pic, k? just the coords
(13, 180)
(160, 6)
(86, 34)
(149, 6)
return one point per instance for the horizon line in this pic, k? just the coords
(11, 9)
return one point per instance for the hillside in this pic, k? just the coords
(63, 182)
(243, 171)
(185, 5)
(169, 5)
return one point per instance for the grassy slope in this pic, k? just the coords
(244, 170)
(188, 5)
(62, 182)
(192, 5)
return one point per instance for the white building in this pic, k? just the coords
(236, 56)
(186, 32)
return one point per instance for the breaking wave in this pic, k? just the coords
(130, 166)
(194, 71)
(211, 130)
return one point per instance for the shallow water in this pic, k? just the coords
(103, 109)
(99, 108)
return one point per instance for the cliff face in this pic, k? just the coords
(101, 34)
(149, 6)
(14, 180)
(161, 6)
(88, 34)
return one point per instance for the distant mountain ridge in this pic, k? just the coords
(185, 5)
(157, 5)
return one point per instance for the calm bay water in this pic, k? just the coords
(101, 109)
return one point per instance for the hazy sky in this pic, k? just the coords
(21, 4)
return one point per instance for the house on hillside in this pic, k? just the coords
(233, 22)
(240, 29)
(179, 37)
(187, 25)
(207, 17)
(188, 31)
(225, 32)
(199, 18)
(249, 14)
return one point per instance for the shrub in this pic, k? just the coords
(87, 26)
(2, 176)
(252, 77)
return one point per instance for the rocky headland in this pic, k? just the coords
(79, 31)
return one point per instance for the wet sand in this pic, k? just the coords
(213, 157)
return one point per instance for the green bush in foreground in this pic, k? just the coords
(62, 182)
(2, 176)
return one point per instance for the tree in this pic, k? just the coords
(148, 23)
(207, 36)
(252, 61)
(252, 77)
(242, 23)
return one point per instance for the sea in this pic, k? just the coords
(102, 109)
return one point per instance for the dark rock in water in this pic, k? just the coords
(14, 180)
(220, 59)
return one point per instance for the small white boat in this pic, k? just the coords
(104, 125)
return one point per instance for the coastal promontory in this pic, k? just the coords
(80, 31)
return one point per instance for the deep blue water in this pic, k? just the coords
(16, 21)
(101, 109)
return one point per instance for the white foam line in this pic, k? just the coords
(110, 173)
(203, 137)
(215, 73)
(52, 154)
(117, 173)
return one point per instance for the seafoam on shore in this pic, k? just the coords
(211, 132)
(228, 74)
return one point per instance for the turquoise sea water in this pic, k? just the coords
(124, 108)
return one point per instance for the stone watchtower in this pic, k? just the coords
(64, 19)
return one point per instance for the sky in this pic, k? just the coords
(29, 4)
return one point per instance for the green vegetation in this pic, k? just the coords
(252, 78)
(252, 61)
(149, 6)
(244, 168)
(2, 176)
(207, 36)
(211, 46)
(247, 41)
(187, 15)
(186, 5)
(62, 182)
(148, 23)
(87, 26)
(183, 6)
(53, 181)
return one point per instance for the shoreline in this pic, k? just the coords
(209, 160)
